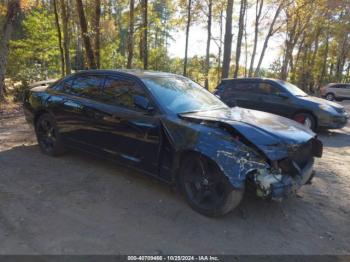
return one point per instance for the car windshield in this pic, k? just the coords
(293, 89)
(181, 95)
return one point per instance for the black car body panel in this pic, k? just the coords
(274, 96)
(271, 133)
(274, 153)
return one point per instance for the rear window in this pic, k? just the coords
(233, 87)
(88, 86)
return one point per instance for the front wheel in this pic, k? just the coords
(48, 137)
(206, 189)
(306, 119)
(330, 97)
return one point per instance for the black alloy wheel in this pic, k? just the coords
(206, 189)
(48, 136)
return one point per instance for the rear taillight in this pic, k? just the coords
(322, 90)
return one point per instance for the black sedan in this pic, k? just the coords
(171, 128)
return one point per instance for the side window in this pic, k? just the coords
(340, 86)
(62, 85)
(121, 92)
(267, 89)
(228, 89)
(234, 87)
(86, 86)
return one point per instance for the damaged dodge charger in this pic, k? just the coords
(169, 127)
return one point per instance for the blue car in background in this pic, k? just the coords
(284, 99)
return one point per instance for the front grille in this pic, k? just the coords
(300, 157)
(303, 155)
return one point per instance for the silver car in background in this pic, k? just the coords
(336, 91)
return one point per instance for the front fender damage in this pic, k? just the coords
(243, 165)
(233, 158)
(242, 162)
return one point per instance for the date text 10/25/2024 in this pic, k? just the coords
(173, 258)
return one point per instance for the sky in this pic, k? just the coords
(198, 39)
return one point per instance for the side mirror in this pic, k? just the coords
(283, 95)
(143, 103)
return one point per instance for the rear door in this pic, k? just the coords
(76, 115)
(240, 93)
(342, 91)
(346, 91)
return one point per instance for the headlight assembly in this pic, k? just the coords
(327, 108)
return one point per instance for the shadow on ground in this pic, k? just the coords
(79, 204)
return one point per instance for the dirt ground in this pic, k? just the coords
(77, 204)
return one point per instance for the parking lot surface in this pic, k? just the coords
(78, 204)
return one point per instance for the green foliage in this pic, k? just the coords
(36, 54)
(320, 53)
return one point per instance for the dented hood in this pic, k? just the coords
(272, 134)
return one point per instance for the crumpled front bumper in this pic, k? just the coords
(284, 177)
(276, 185)
(289, 185)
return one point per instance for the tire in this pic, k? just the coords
(206, 189)
(330, 96)
(48, 137)
(306, 119)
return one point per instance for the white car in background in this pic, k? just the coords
(336, 91)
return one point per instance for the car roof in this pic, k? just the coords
(333, 84)
(133, 72)
(249, 79)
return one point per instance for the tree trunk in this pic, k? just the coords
(293, 36)
(87, 42)
(258, 10)
(97, 35)
(294, 65)
(341, 57)
(59, 36)
(245, 46)
(13, 9)
(145, 34)
(240, 35)
(187, 34)
(325, 58)
(66, 38)
(227, 40)
(313, 59)
(131, 34)
(207, 58)
(267, 38)
(220, 48)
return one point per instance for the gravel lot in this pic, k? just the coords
(77, 204)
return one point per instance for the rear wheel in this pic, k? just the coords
(330, 97)
(206, 189)
(48, 136)
(306, 119)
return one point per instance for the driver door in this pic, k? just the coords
(271, 101)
